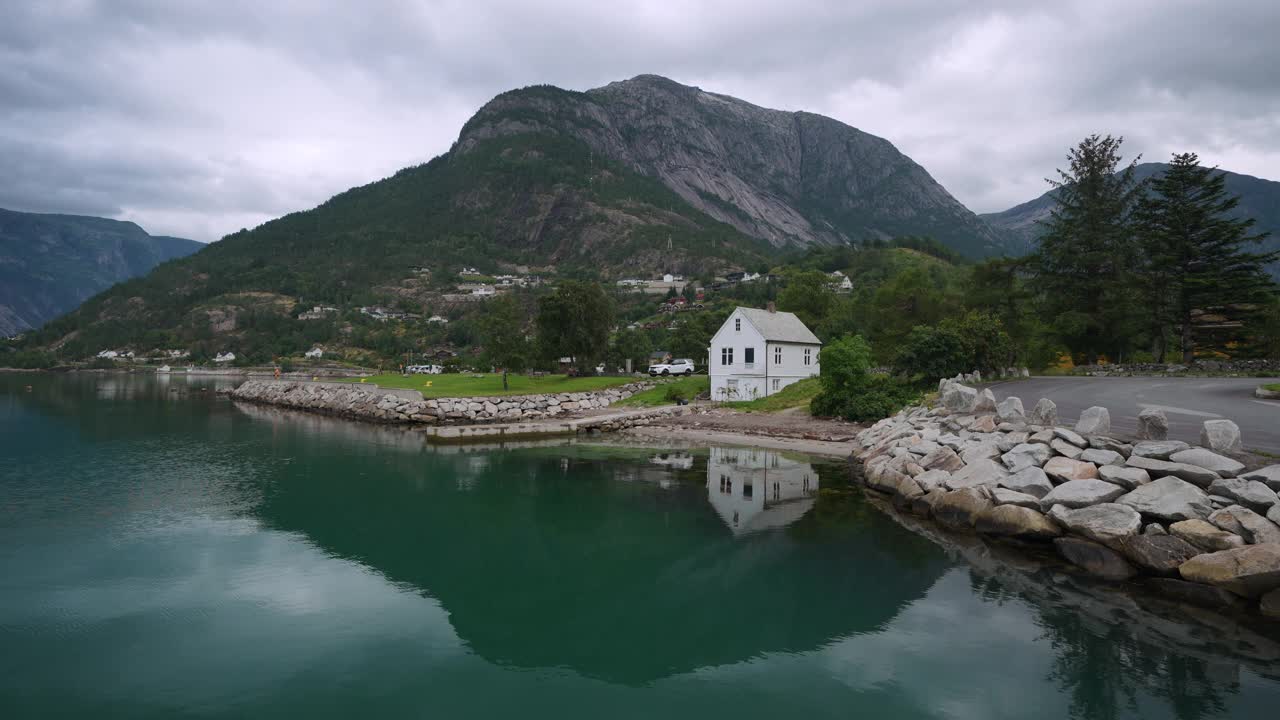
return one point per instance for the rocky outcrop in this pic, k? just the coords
(1248, 571)
(369, 402)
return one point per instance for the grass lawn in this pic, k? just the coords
(1273, 387)
(688, 387)
(490, 384)
(797, 394)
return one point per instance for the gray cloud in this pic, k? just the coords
(199, 119)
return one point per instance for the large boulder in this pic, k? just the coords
(1005, 496)
(1071, 436)
(978, 472)
(1224, 466)
(1101, 457)
(1126, 477)
(1204, 535)
(1269, 475)
(1249, 571)
(1153, 424)
(1082, 493)
(986, 402)
(1269, 605)
(959, 509)
(1045, 413)
(984, 423)
(1168, 499)
(1102, 442)
(943, 458)
(1250, 493)
(1064, 469)
(1107, 523)
(986, 450)
(1066, 449)
(1026, 455)
(1157, 554)
(1095, 559)
(1255, 529)
(931, 479)
(1010, 410)
(923, 505)
(1191, 473)
(1016, 521)
(1160, 450)
(1094, 421)
(959, 398)
(1030, 481)
(1221, 436)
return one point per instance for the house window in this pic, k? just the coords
(776, 384)
(808, 356)
(737, 324)
(747, 490)
(749, 357)
(726, 356)
(777, 355)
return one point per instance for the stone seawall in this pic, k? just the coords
(1194, 521)
(388, 405)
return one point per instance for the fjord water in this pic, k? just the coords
(165, 552)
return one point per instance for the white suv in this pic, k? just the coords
(682, 366)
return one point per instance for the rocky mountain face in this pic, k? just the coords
(784, 177)
(49, 264)
(1259, 199)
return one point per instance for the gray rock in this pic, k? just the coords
(1126, 477)
(1190, 473)
(944, 458)
(1026, 455)
(986, 402)
(1157, 554)
(1224, 466)
(984, 424)
(924, 447)
(1220, 502)
(959, 510)
(931, 479)
(1250, 571)
(1095, 559)
(1102, 442)
(1153, 424)
(1016, 521)
(923, 505)
(1221, 436)
(1160, 450)
(1101, 457)
(1044, 413)
(1269, 475)
(1107, 523)
(1274, 514)
(1071, 436)
(1255, 529)
(1094, 421)
(1203, 534)
(1066, 449)
(981, 451)
(1082, 493)
(1154, 529)
(1043, 437)
(1062, 469)
(979, 472)
(1005, 496)
(959, 398)
(1010, 410)
(1168, 499)
(1030, 481)
(1249, 493)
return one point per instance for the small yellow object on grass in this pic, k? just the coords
(428, 383)
(362, 379)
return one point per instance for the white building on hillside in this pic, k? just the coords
(224, 357)
(314, 353)
(759, 352)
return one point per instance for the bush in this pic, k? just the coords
(674, 394)
(27, 359)
(976, 341)
(850, 390)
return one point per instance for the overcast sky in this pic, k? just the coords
(199, 120)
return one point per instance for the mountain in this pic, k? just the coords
(1259, 199)
(49, 264)
(634, 178)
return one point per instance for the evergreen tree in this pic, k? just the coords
(1197, 257)
(1087, 249)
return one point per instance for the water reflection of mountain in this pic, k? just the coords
(548, 560)
(757, 489)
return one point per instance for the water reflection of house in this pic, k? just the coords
(756, 489)
(678, 460)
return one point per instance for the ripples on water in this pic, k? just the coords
(165, 552)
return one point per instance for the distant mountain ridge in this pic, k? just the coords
(49, 264)
(1259, 199)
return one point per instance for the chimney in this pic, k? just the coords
(771, 307)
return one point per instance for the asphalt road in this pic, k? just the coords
(1187, 402)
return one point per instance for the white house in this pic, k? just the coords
(315, 352)
(840, 282)
(757, 489)
(438, 320)
(108, 354)
(224, 357)
(759, 352)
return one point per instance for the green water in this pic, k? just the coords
(165, 553)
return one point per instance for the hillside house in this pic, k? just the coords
(438, 320)
(756, 353)
(840, 282)
(314, 353)
(224, 357)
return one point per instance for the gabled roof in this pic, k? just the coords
(779, 326)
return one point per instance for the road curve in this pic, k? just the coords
(1187, 401)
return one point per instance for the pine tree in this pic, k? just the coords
(1197, 256)
(1088, 249)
